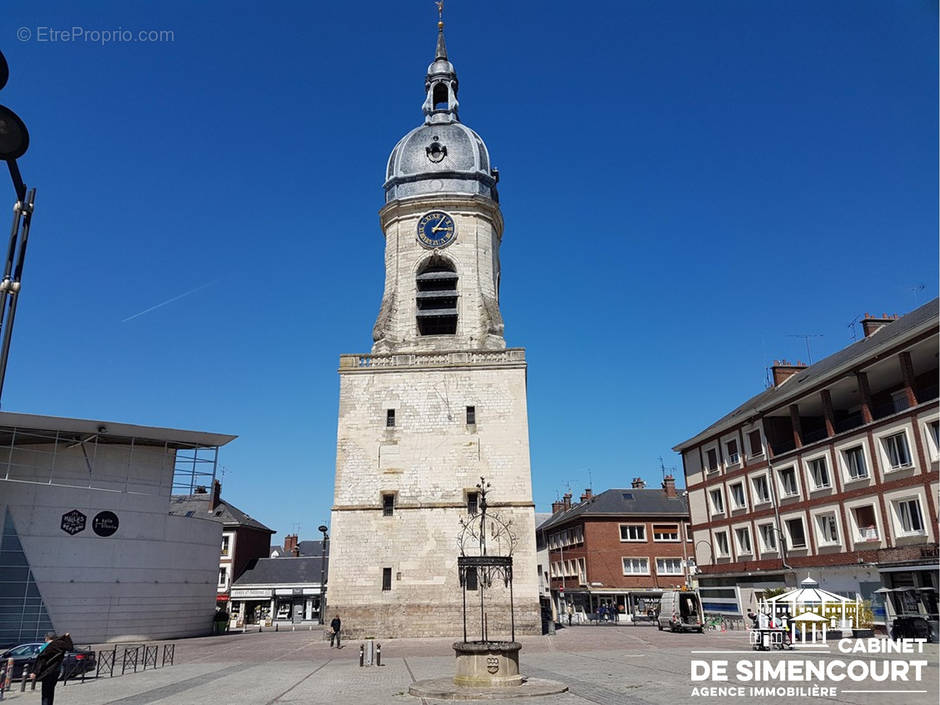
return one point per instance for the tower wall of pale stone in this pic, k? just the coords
(429, 460)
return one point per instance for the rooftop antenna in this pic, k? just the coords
(806, 337)
(916, 290)
(852, 327)
(590, 481)
(662, 468)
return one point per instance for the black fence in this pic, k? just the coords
(86, 663)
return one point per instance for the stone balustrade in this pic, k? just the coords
(455, 358)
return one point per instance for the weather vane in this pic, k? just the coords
(440, 12)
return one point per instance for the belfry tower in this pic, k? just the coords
(439, 402)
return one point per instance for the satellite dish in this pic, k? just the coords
(14, 137)
(4, 71)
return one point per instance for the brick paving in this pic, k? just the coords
(600, 665)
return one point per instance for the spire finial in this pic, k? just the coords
(441, 52)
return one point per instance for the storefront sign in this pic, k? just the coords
(242, 594)
(105, 523)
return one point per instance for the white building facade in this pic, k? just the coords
(438, 403)
(88, 545)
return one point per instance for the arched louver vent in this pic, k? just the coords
(437, 299)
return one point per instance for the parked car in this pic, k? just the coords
(75, 663)
(680, 610)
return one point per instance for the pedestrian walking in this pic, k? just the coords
(570, 613)
(335, 627)
(48, 663)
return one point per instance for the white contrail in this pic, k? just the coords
(168, 301)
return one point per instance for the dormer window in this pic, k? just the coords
(437, 298)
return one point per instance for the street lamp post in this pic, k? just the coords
(14, 141)
(323, 529)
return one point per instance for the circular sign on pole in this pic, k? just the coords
(14, 138)
(105, 523)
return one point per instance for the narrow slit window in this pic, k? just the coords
(473, 503)
(390, 418)
(388, 505)
(471, 415)
(386, 579)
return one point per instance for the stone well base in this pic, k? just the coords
(487, 664)
(486, 670)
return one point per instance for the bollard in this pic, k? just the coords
(378, 654)
(24, 679)
(275, 626)
(362, 654)
(8, 678)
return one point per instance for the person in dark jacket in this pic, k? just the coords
(335, 626)
(48, 663)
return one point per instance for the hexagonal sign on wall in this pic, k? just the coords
(73, 522)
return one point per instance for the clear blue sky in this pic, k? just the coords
(685, 185)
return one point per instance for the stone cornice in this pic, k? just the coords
(410, 207)
(423, 505)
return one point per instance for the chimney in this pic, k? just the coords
(669, 485)
(783, 370)
(871, 325)
(638, 483)
(290, 544)
(557, 507)
(587, 495)
(566, 500)
(200, 489)
(216, 497)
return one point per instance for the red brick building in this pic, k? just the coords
(831, 472)
(620, 548)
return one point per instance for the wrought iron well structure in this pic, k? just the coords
(479, 534)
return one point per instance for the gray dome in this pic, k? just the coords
(439, 158)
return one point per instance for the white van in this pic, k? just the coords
(680, 610)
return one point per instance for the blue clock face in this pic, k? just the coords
(436, 229)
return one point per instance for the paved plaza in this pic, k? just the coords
(603, 665)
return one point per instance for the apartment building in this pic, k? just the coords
(832, 472)
(244, 539)
(619, 549)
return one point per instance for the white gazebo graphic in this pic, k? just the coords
(814, 610)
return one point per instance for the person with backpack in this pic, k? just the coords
(48, 664)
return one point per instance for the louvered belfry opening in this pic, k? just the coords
(437, 298)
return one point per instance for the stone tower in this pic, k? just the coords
(440, 400)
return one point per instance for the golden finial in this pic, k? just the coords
(440, 13)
